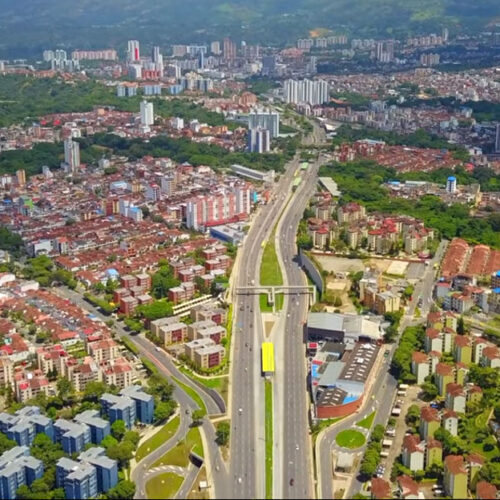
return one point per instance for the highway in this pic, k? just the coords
(293, 462)
(247, 471)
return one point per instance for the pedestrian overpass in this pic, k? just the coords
(272, 291)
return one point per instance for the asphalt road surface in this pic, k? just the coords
(247, 472)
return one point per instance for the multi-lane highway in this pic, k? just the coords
(293, 460)
(247, 471)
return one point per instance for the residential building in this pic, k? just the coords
(408, 488)
(462, 349)
(259, 140)
(381, 489)
(117, 372)
(444, 375)
(455, 476)
(474, 463)
(450, 422)
(144, 403)
(420, 366)
(490, 357)
(79, 480)
(25, 424)
(147, 113)
(73, 436)
(119, 408)
(106, 468)
(173, 333)
(269, 120)
(486, 491)
(72, 154)
(99, 428)
(455, 398)
(413, 452)
(429, 422)
(103, 350)
(433, 452)
(204, 352)
(17, 468)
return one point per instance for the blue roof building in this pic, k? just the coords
(144, 403)
(106, 468)
(119, 408)
(79, 480)
(25, 424)
(17, 468)
(73, 436)
(99, 428)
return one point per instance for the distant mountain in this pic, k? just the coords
(28, 26)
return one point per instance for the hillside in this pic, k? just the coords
(27, 26)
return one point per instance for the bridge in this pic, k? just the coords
(272, 291)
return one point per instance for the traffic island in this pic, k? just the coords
(164, 485)
(350, 439)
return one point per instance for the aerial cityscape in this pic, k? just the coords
(250, 251)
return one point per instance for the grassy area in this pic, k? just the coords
(179, 455)
(265, 307)
(164, 434)
(196, 493)
(164, 485)
(270, 270)
(269, 437)
(323, 424)
(367, 422)
(192, 394)
(220, 384)
(129, 345)
(350, 439)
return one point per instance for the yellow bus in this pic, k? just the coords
(267, 359)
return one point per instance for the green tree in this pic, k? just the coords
(118, 429)
(430, 391)
(6, 443)
(163, 410)
(461, 326)
(412, 415)
(222, 433)
(64, 388)
(197, 417)
(108, 442)
(133, 436)
(163, 280)
(124, 489)
(94, 390)
(122, 452)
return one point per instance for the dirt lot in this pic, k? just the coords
(339, 264)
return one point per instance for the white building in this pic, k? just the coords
(313, 92)
(269, 120)
(72, 154)
(259, 140)
(133, 51)
(147, 113)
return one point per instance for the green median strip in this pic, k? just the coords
(265, 307)
(269, 437)
(270, 269)
(164, 485)
(192, 394)
(164, 434)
